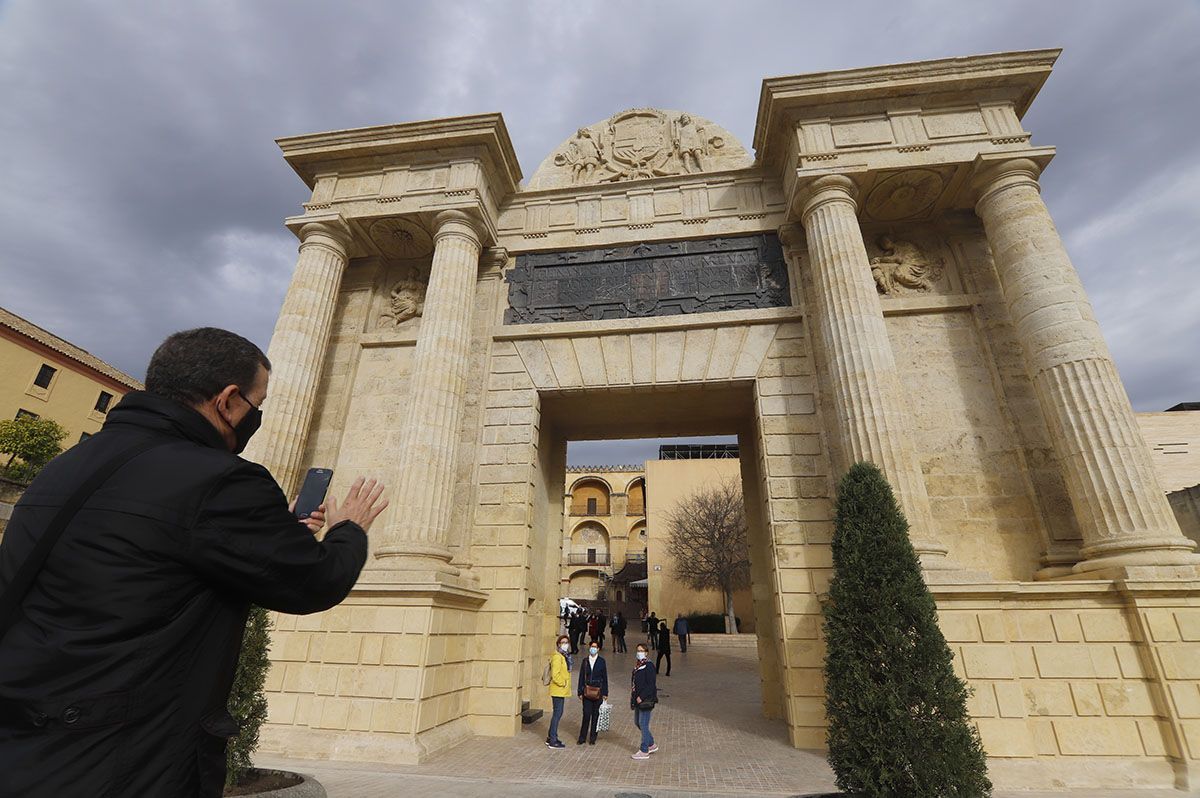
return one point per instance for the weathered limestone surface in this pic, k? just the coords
(419, 530)
(870, 410)
(297, 350)
(1124, 516)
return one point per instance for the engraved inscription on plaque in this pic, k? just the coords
(661, 279)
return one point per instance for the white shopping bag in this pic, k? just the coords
(604, 719)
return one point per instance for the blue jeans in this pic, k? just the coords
(556, 715)
(641, 719)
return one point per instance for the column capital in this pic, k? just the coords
(791, 235)
(331, 233)
(826, 189)
(495, 258)
(457, 223)
(994, 175)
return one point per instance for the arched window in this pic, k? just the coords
(590, 496)
(637, 497)
(589, 545)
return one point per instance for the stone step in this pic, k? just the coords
(529, 715)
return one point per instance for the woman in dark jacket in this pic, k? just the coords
(642, 699)
(593, 678)
(664, 648)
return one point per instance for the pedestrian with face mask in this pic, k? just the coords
(643, 698)
(560, 687)
(593, 689)
(129, 567)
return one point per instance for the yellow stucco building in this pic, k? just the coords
(48, 377)
(616, 548)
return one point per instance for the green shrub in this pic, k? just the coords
(705, 623)
(247, 703)
(898, 723)
(30, 443)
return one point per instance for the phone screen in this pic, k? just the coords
(312, 492)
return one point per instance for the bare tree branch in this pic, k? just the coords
(707, 539)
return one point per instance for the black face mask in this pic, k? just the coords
(246, 428)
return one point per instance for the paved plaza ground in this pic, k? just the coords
(712, 737)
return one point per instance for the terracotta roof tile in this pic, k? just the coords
(67, 349)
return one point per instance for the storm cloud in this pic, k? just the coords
(144, 192)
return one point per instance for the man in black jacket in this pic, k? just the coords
(115, 672)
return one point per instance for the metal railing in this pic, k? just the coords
(584, 558)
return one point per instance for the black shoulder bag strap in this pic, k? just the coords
(14, 593)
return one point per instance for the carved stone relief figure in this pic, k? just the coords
(637, 144)
(583, 154)
(405, 301)
(903, 267)
(690, 144)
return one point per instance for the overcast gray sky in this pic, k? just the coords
(144, 192)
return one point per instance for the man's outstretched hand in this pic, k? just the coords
(362, 505)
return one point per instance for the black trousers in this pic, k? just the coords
(620, 639)
(682, 642)
(663, 652)
(591, 716)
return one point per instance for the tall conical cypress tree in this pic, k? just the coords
(898, 723)
(247, 701)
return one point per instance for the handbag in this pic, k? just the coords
(591, 692)
(604, 717)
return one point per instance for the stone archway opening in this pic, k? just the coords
(687, 412)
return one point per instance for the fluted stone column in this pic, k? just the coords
(1123, 513)
(418, 535)
(868, 400)
(297, 351)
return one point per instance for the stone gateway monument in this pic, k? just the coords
(879, 281)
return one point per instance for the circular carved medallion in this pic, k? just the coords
(904, 195)
(401, 238)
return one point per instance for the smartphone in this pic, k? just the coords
(312, 492)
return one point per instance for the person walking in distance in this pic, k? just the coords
(619, 627)
(593, 689)
(652, 630)
(681, 631)
(575, 630)
(560, 687)
(642, 700)
(128, 570)
(601, 628)
(664, 648)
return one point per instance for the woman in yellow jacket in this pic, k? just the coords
(560, 687)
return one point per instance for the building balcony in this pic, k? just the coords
(635, 556)
(583, 513)
(588, 558)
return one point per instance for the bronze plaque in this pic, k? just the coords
(662, 279)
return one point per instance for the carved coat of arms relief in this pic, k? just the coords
(637, 144)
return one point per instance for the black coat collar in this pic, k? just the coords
(165, 416)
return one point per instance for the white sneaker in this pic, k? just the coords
(640, 755)
(652, 749)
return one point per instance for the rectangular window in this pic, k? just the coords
(23, 413)
(103, 402)
(84, 436)
(592, 556)
(591, 507)
(44, 376)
